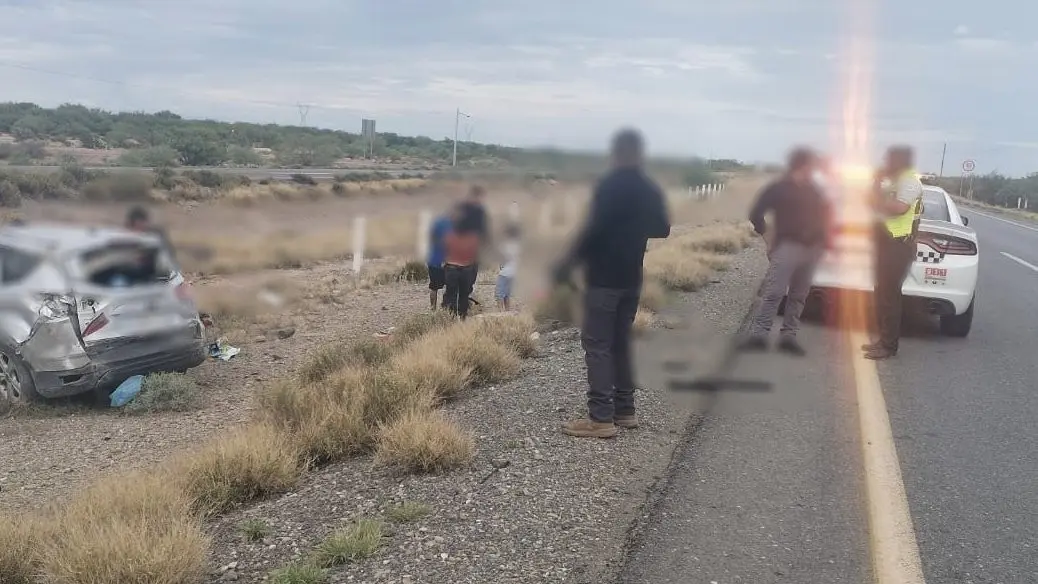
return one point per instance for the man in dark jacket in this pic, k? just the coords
(627, 209)
(802, 221)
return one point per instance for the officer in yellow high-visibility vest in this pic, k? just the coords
(897, 202)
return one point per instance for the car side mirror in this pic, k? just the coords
(965, 220)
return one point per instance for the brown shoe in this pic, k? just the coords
(627, 422)
(589, 429)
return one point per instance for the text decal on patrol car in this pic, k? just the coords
(936, 275)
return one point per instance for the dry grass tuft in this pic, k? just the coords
(653, 296)
(333, 356)
(136, 528)
(511, 331)
(244, 465)
(323, 424)
(424, 442)
(718, 238)
(425, 368)
(419, 324)
(20, 538)
(643, 320)
(355, 543)
(465, 348)
(677, 268)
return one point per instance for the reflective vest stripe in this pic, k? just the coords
(901, 225)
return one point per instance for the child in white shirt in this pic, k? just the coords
(510, 259)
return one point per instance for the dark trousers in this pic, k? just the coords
(894, 258)
(460, 280)
(606, 337)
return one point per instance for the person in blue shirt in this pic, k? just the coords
(437, 277)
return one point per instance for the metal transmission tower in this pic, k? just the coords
(304, 110)
(457, 118)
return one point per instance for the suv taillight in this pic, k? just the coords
(947, 244)
(95, 325)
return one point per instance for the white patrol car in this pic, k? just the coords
(944, 276)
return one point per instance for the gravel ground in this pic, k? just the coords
(535, 506)
(50, 450)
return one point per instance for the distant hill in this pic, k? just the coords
(74, 134)
(165, 138)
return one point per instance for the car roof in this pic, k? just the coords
(57, 237)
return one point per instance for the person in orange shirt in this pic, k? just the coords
(461, 245)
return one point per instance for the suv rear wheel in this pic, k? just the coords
(958, 325)
(16, 384)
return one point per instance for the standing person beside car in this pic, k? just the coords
(434, 262)
(461, 251)
(139, 220)
(474, 218)
(897, 202)
(802, 220)
(627, 209)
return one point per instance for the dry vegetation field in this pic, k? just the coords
(84, 489)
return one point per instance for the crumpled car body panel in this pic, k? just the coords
(46, 316)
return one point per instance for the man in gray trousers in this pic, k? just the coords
(802, 219)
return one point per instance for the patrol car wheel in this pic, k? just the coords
(958, 325)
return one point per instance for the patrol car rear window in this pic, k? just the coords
(935, 208)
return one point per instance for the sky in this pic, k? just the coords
(742, 79)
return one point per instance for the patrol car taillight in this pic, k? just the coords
(948, 245)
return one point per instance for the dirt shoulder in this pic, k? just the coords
(535, 506)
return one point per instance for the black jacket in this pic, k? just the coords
(627, 209)
(802, 212)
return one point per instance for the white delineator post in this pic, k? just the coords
(424, 226)
(360, 225)
(1019, 202)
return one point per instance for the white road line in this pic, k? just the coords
(895, 553)
(996, 218)
(1024, 263)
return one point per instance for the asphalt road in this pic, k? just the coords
(772, 487)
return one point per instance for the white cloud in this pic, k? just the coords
(697, 75)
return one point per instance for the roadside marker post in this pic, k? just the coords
(360, 224)
(424, 225)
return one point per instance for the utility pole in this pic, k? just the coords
(457, 118)
(304, 110)
(943, 152)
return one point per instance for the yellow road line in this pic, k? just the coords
(895, 553)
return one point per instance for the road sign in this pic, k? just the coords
(968, 165)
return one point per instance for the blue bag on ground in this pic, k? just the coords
(126, 391)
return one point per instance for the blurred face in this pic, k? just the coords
(139, 225)
(805, 173)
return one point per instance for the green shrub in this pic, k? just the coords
(355, 543)
(205, 178)
(303, 179)
(299, 573)
(10, 196)
(166, 392)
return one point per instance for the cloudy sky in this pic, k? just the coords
(721, 78)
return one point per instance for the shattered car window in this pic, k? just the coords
(120, 265)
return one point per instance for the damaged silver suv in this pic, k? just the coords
(82, 309)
